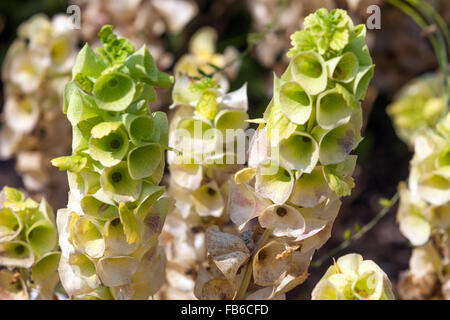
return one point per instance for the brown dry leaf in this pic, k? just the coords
(218, 289)
(284, 271)
(227, 251)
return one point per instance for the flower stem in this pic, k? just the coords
(357, 235)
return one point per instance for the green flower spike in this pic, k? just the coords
(109, 231)
(310, 71)
(28, 240)
(299, 158)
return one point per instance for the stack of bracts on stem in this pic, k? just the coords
(299, 166)
(109, 231)
(199, 170)
(420, 118)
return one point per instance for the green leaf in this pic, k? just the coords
(301, 41)
(339, 177)
(337, 184)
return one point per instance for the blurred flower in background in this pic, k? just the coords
(418, 105)
(34, 72)
(141, 21)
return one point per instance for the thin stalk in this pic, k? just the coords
(357, 235)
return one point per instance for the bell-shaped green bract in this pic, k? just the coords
(310, 71)
(274, 182)
(336, 144)
(118, 183)
(358, 46)
(300, 151)
(81, 107)
(42, 236)
(45, 266)
(114, 171)
(140, 128)
(141, 65)
(343, 68)
(28, 236)
(295, 103)
(87, 237)
(98, 209)
(114, 91)
(231, 120)
(88, 64)
(16, 254)
(208, 200)
(143, 160)
(10, 224)
(108, 143)
(310, 189)
(361, 82)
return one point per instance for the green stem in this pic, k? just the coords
(357, 235)
(249, 268)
